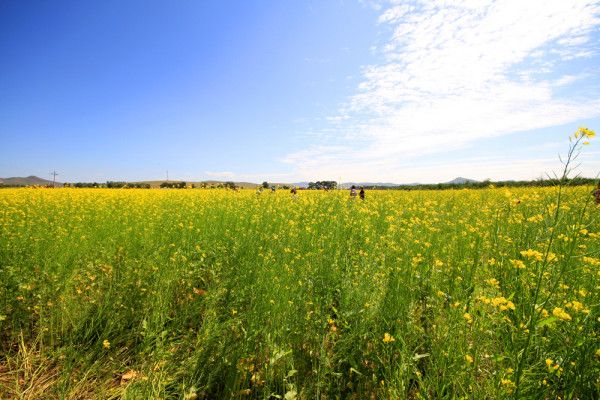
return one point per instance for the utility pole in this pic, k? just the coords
(167, 176)
(53, 173)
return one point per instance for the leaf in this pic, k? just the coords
(291, 395)
(279, 355)
(291, 373)
(546, 321)
(419, 356)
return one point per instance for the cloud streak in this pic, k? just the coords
(453, 73)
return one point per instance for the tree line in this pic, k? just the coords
(488, 183)
(328, 185)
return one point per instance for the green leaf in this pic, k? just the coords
(291, 395)
(546, 321)
(291, 373)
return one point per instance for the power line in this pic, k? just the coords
(53, 173)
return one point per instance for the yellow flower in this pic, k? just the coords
(561, 314)
(598, 352)
(106, 344)
(387, 338)
(503, 304)
(585, 132)
(532, 254)
(493, 282)
(468, 317)
(551, 365)
(575, 305)
(510, 385)
(469, 359)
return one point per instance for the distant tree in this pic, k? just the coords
(327, 185)
(115, 185)
(265, 185)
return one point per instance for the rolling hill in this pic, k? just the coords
(26, 181)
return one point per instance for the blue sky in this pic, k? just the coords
(296, 90)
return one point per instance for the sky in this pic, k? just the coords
(291, 91)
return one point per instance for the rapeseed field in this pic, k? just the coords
(214, 294)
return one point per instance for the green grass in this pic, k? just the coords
(222, 294)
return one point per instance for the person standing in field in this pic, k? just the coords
(353, 192)
(361, 194)
(596, 194)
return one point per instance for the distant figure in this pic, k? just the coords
(353, 192)
(293, 191)
(361, 194)
(596, 194)
(272, 189)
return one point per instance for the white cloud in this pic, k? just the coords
(454, 72)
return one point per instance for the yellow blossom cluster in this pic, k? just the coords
(560, 313)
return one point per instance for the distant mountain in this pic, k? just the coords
(26, 181)
(460, 181)
(348, 185)
(303, 185)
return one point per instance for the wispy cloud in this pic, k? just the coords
(454, 72)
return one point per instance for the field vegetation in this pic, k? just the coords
(135, 294)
